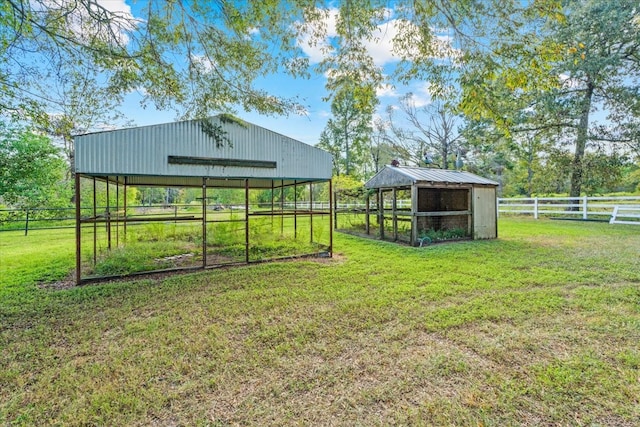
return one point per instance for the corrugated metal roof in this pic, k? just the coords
(392, 176)
(143, 154)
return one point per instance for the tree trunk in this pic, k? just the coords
(445, 156)
(581, 142)
(530, 172)
(346, 144)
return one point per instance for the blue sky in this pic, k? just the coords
(310, 91)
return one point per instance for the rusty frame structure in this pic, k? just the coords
(111, 218)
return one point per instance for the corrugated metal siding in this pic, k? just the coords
(144, 151)
(392, 176)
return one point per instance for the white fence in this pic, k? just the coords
(618, 210)
(626, 215)
(573, 207)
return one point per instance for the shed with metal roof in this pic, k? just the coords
(221, 153)
(441, 201)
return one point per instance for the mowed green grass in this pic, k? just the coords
(539, 327)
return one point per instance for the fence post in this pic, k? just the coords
(535, 208)
(26, 224)
(584, 208)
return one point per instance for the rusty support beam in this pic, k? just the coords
(117, 212)
(272, 206)
(78, 232)
(108, 223)
(204, 222)
(95, 225)
(246, 219)
(330, 221)
(125, 210)
(281, 207)
(311, 212)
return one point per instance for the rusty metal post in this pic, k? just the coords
(95, 225)
(204, 222)
(246, 219)
(26, 223)
(311, 211)
(78, 231)
(330, 221)
(117, 212)
(272, 205)
(124, 219)
(295, 209)
(108, 218)
(282, 207)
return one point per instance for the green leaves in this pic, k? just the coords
(31, 169)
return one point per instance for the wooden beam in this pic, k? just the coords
(414, 217)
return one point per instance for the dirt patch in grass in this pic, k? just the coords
(60, 285)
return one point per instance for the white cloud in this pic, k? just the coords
(316, 39)
(381, 46)
(569, 82)
(203, 63)
(419, 101)
(421, 96)
(386, 90)
(109, 21)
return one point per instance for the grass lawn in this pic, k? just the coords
(540, 327)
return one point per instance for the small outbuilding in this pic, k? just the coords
(440, 201)
(274, 183)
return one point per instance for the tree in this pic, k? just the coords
(434, 128)
(587, 96)
(346, 134)
(31, 170)
(380, 150)
(203, 56)
(78, 102)
(600, 71)
(196, 56)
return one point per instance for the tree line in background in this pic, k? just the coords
(542, 96)
(553, 109)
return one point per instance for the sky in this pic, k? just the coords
(306, 128)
